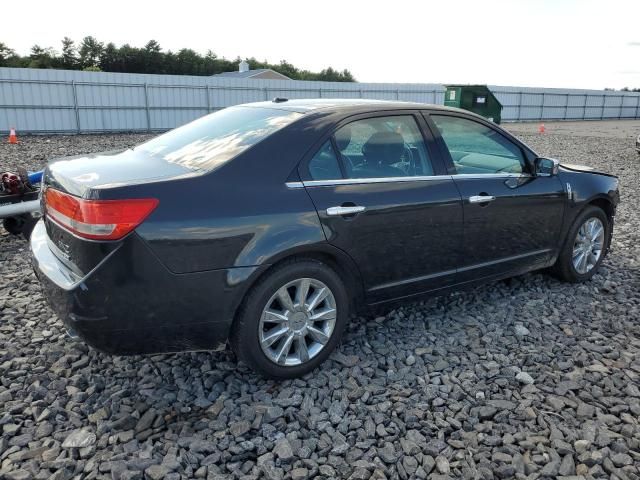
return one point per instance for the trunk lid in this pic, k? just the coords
(82, 175)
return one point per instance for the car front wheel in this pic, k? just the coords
(585, 247)
(291, 320)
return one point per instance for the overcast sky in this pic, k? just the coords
(545, 43)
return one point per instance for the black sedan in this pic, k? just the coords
(266, 224)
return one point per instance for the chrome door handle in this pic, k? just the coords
(481, 198)
(337, 211)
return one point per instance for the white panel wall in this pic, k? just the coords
(64, 101)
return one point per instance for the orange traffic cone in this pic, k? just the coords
(13, 138)
(541, 128)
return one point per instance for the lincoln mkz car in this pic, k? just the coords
(265, 225)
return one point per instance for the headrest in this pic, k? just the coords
(384, 148)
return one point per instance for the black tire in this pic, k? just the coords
(244, 338)
(564, 269)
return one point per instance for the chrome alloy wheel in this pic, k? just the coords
(297, 322)
(588, 245)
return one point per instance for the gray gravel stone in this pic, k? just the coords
(621, 459)
(524, 378)
(442, 464)
(434, 447)
(79, 439)
(157, 472)
(283, 450)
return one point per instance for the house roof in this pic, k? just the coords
(250, 73)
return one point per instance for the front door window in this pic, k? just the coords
(478, 149)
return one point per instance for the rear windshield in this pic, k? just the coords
(207, 143)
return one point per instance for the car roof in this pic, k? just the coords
(344, 105)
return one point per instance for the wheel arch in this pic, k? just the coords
(602, 202)
(331, 256)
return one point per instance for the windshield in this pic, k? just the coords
(207, 143)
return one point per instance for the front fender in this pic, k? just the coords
(583, 189)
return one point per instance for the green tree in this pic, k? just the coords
(153, 59)
(109, 58)
(42, 57)
(188, 62)
(5, 54)
(93, 55)
(90, 52)
(69, 58)
(286, 68)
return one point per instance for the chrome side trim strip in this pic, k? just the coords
(491, 175)
(421, 178)
(357, 181)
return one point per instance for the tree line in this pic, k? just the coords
(93, 55)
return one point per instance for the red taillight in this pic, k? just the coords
(97, 219)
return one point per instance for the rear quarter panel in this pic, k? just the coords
(240, 215)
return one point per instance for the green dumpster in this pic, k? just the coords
(475, 98)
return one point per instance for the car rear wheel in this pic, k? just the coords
(291, 320)
(585, 248)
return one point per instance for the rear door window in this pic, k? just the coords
(383, 147)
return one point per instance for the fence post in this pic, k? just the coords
(146, 107)
(584, 107)
(75, 105)
(397, 94)
(604, 100)
(208, 92)
(266, 93)
(621, 104)
(320, 92)
(519, 105)
(360, 91)
(566, 108)
(637, 106)
(542, 108)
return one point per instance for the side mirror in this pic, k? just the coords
(546, 167)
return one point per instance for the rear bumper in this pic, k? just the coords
(131, 304)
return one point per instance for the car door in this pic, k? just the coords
(381, 198)
(512, 218)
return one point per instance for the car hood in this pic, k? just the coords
(583, 168)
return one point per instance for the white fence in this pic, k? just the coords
(62, 101)
(525, 104)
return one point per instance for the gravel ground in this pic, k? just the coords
(527, 378)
